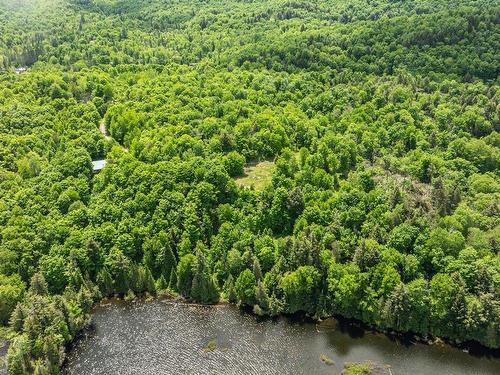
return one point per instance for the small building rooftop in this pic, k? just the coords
(97, 165)
(20, 70)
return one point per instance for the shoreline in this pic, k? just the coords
(350, 326)
(169, 326)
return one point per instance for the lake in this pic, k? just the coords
(163, 337)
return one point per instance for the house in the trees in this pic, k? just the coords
(97, 165)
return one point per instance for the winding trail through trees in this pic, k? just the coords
(104, 132)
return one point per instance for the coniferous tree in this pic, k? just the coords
(41, 368)
(213, 292)
(276, 306)
(38, 285)
(161, 284)
(135, 279)
(172, 283)
(158, 255)
(245, 287)
(261, 297)
(204, 288)
(105, 282)
(185, 274)
(395, 310)
(121, 269)
(230, 290)
(17, 318)
(256, 269)
(149, 282)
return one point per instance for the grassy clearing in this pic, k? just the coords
(257, 175)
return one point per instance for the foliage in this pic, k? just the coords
(369, 131)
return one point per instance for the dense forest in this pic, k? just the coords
(380, 118)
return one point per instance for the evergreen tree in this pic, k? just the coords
(261, 297)
(204, 288)
(256, 269)
(172, 283)
(149, 282)
(18, 356)
(245, 287)
(135, 279)
(161, 284)
(229, 290)
(185, 273)
(121, 283)
(105, 282)
(276, 306)
(52, 351)
(166, 260)
(76, 278)
(84, 299)
(17, 318)
(41, 368)
(121, 269)
(213, 292)
(458, 310)
(395, 311)
(158, 255)
(38, 285)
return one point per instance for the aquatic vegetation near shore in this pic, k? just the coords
(326, 360)
(211, 346)
(366, 368)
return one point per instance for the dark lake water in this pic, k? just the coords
(161, 337)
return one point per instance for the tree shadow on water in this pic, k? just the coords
(351, 327)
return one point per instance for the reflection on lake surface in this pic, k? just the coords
(169, 338)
